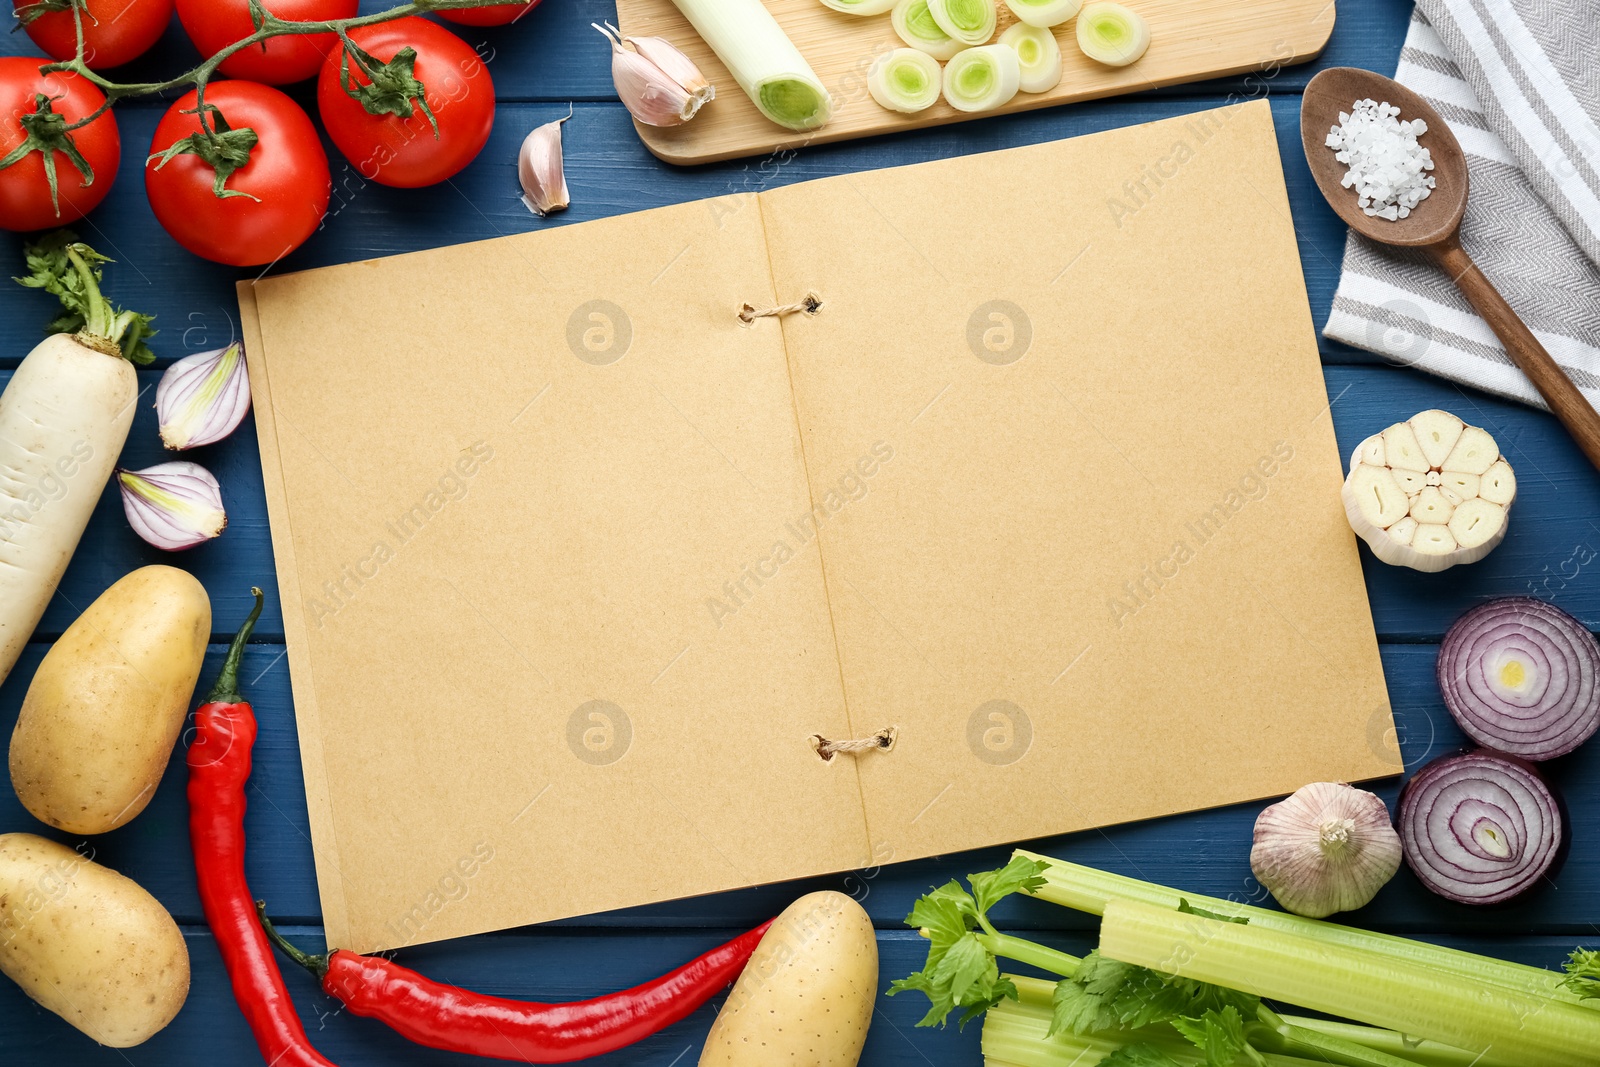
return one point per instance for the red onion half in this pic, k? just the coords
(1522, 677)
(1479, 828)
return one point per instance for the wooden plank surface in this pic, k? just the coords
(1190, 40)
(540, 65)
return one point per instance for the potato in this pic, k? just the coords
(87, 943)
(806, 997)
(100, 719)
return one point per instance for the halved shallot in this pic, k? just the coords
(173, 505)
(203, 398)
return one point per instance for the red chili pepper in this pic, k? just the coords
(454, 1020)
(219, 766)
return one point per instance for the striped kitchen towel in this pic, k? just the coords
(1519, 83)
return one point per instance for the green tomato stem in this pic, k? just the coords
(200, 76)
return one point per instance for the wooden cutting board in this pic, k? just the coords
(1190, 40)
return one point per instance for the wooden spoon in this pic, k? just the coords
(1435, 227)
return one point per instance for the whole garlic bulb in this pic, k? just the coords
(1327, 848)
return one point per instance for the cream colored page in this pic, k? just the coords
(1077, 485)
(556, 663)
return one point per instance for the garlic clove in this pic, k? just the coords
(1327, 848)
(203, 398)
(173, 505)
(655, 95)
(541, 170)
(679, 67)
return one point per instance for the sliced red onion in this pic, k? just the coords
(1480, 828)
(173, 505)
(1522, 677)
(203, 398)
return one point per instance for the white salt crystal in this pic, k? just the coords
(1386, 165)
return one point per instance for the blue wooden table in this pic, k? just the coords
(541, 65)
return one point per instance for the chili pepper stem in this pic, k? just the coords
(317, 965)
(226, 691)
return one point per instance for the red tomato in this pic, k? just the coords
(287, 172)
(24, 186)
(493, 15)
(399, 151)
(214, 24)
(114, 31)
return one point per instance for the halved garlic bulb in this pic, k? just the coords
(1430, 492)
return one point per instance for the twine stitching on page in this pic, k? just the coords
(882, 741)
(810, 305)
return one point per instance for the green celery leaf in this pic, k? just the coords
(1140, 1055)
(1219, 1034)
(946, 913)
(990, 887)
(1106, 994)
(1583, 973)
(961, 965)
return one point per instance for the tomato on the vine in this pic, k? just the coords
(32, 138)
(270, 203)
(214, 24)
(114, 31)
(493, 15)
(400, 145)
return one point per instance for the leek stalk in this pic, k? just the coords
(762, 59)
(1356, 983)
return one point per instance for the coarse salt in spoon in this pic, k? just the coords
(1433, 225)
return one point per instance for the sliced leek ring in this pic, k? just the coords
(971, 22)
(1112, 34)
(983, 78)
(1042, 12)
(1430, 492)
(1039, 55)
(905, 80)
(914, 24)
(859, 7)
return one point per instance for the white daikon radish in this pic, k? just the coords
(63, 420)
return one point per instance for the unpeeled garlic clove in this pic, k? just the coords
(173, 505)
(659, 85)
(203, 398)
(1327, 848)
(541, 171)
(679, 67)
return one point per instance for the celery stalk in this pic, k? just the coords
(1088, 890)
(1425, 1053)
(1014, 1032)
(1357, 983)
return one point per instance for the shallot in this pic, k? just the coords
(173, 505)
(203, 398)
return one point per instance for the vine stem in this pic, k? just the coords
(270, 27)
